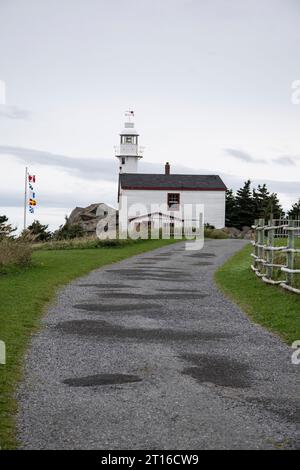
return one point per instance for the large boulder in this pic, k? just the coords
(247, 233)
(232, 232)
(88, 217)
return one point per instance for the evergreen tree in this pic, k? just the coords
(274, 208)
(294, 212)
(38, 232)
(245, 206)
(266, 204)
(231, 219)
(69, 231)
(261, 200)
(6, 230)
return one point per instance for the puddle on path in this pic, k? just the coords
(170, 296)
(103, 329)
(105, 308)
(108, 286)
(101, 379)
(217, 370)
(201, 255)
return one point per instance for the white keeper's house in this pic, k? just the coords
(156, 199)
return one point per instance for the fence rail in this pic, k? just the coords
(273, 263)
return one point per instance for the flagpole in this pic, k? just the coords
(25, 197)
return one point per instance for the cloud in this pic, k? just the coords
(107, 170)
(286, 160)
(56, 200)
(87, 168)
(13, 112)
(244, 156)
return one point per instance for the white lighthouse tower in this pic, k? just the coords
(128, 152)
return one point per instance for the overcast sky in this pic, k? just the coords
(210, 82)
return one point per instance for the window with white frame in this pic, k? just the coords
(173, 201)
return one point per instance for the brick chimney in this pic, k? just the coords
(167, 168)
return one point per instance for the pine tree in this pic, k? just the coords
(274, 207)
(261, 200)
(266, 204)
(294, 212)
(38, 232)
(231, 209)
(6, 230)
(68, 231)
(245, 206)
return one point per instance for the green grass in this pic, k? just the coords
(270, 306)
(24, 294)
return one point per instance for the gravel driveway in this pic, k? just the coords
(148, 354)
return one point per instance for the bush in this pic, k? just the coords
(218, 234)
(68, 231)
(14, 253)
(83, 243)
(36, 232)
(6, 229)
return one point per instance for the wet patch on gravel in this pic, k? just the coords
(285, 408)
(159, 269)
(145, 264)
(217, 370)
(203, 263)
(137, 270)
(108, 308)
(108, 286)
(201, 255)
(178, 290)
(154, 278)
(103, 329)
(128, 295)
(101, 379)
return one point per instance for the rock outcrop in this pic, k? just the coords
(232, 232)
(88, 217)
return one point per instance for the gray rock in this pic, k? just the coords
(232, 232)
(89, 217)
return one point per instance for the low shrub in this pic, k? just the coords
(83, 243)
(215, 233)
(88, 242)
(14, 253)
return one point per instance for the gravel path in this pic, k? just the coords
(148, 354)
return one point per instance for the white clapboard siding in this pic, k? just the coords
(213, 201)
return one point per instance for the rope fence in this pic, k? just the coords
(276, 256)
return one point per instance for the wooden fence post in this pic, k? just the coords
(261, 250)
(270, 256)
(255, 249)
(290, 254)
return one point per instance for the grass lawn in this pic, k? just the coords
(25, 292)
(271, 306)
